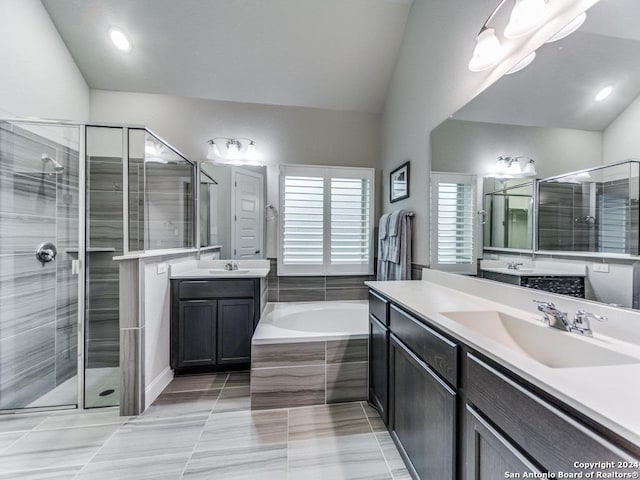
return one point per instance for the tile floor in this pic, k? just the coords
(201, 428)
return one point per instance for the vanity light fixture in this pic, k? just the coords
(233, 151)
(510, 167)
(120, 40)
(603, 93)
(526, 17)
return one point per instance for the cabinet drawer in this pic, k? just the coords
(208, 289)
(437, 351)
(379, 308)
(545, 433)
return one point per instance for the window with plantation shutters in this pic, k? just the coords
(326, 220)
(453, 223)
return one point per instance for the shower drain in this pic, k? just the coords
(109, 391)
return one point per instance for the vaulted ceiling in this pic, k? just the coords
(331, 54)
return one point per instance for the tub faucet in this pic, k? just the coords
(554, 317)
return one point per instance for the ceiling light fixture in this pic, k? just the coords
(120, 40)
(569, 28)
(526, 17)
(603, 93)
(233, 151)
(522, 64)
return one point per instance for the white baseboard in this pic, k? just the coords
(156, 387)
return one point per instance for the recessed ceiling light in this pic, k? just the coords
(604, 93)
(120, 40)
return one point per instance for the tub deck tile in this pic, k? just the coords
(343, 351)
(287, 354)
(347, 382)
(287, 387)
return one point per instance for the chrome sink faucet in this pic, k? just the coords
(230, 266)
(581, 323)
(514, 265)
(554, 317)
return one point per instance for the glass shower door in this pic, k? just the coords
(39, 274)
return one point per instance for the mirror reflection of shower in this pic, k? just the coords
(56, 166)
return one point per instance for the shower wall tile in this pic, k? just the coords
(102, 293)
(105, 173)
(68, 201)
(24, 273)
(104, 205)
(19, 391)
(27, 194)
(102, 352)
(66, 365)
(24, 233)
(25, 311)
(105, 233)
(24, 351)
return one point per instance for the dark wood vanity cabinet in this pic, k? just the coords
(456, 415)
(379, 354)
(422, 404)
(212, 322)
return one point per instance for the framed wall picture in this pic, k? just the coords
(399, 183)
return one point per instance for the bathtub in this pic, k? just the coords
(312, 321)
(310, 353)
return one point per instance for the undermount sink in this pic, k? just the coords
(222, 271)
(546, 345)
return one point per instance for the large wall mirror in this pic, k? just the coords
(549, 112)
(232, 210)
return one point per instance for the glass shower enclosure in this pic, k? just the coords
(40, 250)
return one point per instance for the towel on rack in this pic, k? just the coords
(394, 243)
(383, 231)
(394, 246)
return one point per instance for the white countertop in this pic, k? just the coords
(608, 394)
(530, 268)
(533, 272)
(203, 269)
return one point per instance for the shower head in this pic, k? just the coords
(56, 166)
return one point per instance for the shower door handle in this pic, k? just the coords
(483, 216)
(46, 252)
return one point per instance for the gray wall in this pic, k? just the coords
(282, 134)
(473, 147)
(621, 140)
(39, 77)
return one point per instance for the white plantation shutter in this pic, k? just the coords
(453, 223)
(326, 222)
(303, 220)
(350, 221)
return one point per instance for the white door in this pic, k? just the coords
(247, 214)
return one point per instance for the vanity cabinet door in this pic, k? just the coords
(379, 367)
(193, 342)
(422, 415)
(488, 455)
(235, 328)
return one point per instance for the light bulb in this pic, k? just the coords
(252, 153)
(524, 63)
(569, 28)
(212, 152)
(233, 149)
(120, 40)
(487, 52)
(530, 169)
(526, 16)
